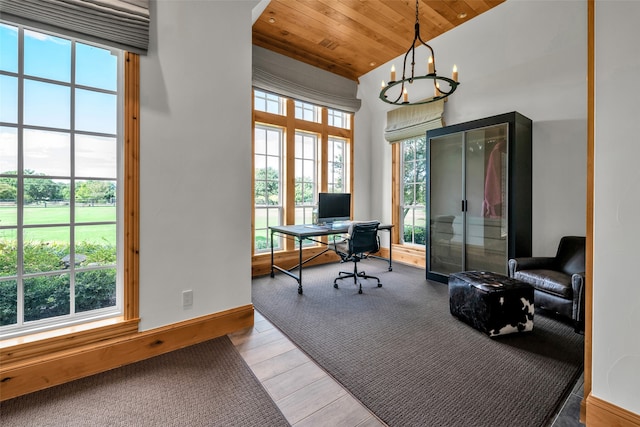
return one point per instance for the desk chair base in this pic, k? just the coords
(355, 274)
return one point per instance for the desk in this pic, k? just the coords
(311, 232)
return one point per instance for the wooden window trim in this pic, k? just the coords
(34, 346)
(407, 254)
(131, 220)
(395, 193)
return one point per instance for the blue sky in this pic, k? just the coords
(47, 98)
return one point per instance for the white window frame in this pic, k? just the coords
(338, 118)
(333, 152)
(279, 206)
(307, 111)
(411, 206)
(23, 327)
(304, 211)
(269, 102)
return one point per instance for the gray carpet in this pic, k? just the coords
(207, 384)
(399, 350)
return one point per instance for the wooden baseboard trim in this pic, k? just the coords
(409, 255)
(601, 413)
(29, 375)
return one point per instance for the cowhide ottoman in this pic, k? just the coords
(490, 302)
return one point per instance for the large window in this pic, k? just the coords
(268, 207)
(413, 192)
(300, 149)
(60, 169)
(306, 153)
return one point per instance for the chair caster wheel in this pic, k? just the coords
(360, 291)
(335, 285)
(379, 285)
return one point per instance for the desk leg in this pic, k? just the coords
(300, 266)
(272, 272)
(390, 247)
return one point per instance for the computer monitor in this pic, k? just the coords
(333, 207)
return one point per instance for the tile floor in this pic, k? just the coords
(308, 396)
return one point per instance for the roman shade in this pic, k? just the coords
(285, 76)
(121, 24)
(413, 120)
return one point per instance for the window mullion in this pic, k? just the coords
(323, 178)
(72, 185)
(289, 168)
(20, 184)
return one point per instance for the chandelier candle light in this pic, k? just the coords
(438, 93)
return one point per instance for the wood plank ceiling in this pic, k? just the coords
(352, 37)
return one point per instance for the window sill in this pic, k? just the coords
(38, 345)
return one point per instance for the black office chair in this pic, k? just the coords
(361, 241)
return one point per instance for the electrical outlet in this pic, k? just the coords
(187, 298)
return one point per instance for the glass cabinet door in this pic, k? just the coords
(479, 195)
(445, 214)
(486, 199)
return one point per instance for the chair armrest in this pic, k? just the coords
(530, 263)
(339, 238)
(577, 285)
(340, 245)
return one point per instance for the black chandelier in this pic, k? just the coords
(402, 93)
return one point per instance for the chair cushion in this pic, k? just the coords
(550, 281)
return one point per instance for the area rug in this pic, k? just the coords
(401, 353)
(207, 384)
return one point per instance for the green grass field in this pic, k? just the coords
(61, 215)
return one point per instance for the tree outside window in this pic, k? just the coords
(413, 193)
(337, 156)
(305, 176)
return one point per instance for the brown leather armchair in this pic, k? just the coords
(558, 281)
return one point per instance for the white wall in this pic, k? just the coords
(195, 158)
(526, 56)
(362, 171)
(616, 294)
